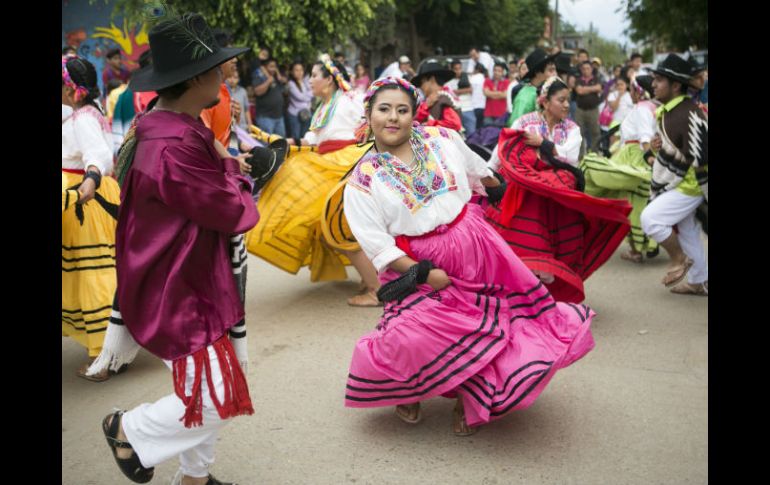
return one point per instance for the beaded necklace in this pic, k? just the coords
(325, 112)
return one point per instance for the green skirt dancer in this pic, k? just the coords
(624, 176)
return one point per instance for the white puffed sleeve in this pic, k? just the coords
(569, 151)
(368, 225)
(92, 143)
(311, 138)
(646, 125)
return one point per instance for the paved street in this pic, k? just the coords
(633, 411)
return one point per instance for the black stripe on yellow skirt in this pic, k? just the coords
(87, 268)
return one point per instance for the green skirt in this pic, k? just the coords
(624, 176)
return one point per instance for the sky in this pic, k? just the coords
(606, 21)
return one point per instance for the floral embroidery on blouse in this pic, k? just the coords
(415, 187)
(537, 121)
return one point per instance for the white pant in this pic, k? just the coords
(674, 208)
(157, 434)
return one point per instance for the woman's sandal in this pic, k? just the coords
(632, 256)
(406, 414)
(677, 274)
(101, 376)
(459, 425)
(131, 467)
(699, 289)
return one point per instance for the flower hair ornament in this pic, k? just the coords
(390, 81)
(80, 91)
(364, 132)
(544, 90)
(336, 74)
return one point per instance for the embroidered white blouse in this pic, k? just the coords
(86, 139)
(381, 201)
(347, 117)
(565, 136)
(640, 123)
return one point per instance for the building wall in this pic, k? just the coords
(90, 29)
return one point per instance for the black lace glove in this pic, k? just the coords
(495, 194)
(406, 284)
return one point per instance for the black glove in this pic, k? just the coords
(495, 194)
(406, 284)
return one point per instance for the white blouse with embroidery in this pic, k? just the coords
(347, 117)
(565, 136)
(384, 200)
(640, 123)
(86, 140)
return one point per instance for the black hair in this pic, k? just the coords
(339, 54)
(291, 70)
(480, 68)
(145, 58)
(174, 92)
(624, 76)
(455, 62)
(113, 84)
(83, 74)
(585, 62)
(339, 67)
(582, 51)
(412, 100)
(68, 49)
(112, 53)
(635, 55)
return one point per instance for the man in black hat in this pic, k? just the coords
(679, 178)
(441, 107)
(182, 198)
(540, 66)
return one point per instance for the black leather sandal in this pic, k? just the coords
(131, 467)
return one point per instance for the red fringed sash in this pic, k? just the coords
(236, 400)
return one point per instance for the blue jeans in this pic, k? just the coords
(297, 128)
(272, 126)
(469, 122)
(572, 108)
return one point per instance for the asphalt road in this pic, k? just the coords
(633, 411)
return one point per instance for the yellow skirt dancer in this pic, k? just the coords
(87, 261)
(289, 233)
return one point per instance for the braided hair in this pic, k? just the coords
(83, 74)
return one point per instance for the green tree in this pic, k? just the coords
(456, 25)
(291, 28)
(679, 24)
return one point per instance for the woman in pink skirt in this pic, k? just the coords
(463, 317)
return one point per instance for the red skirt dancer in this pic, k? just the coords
(552, 226)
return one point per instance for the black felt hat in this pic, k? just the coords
(537, 59)
(675, 68)
(181, 48)
(432, 67)
(265, 161)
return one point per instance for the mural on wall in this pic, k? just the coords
(132, 44)
(92, 32)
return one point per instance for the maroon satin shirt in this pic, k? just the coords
(180, 203)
